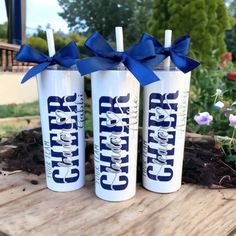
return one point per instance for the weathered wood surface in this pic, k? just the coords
(193, 210)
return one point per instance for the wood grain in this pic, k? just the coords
(193, 210)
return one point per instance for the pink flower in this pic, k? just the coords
(232, 120)
(203, 118)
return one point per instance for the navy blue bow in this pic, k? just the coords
(66, 57)
(177, 53)
(106, 57)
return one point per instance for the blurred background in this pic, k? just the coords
(210, 23)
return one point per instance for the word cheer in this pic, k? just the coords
(162, 120)
(114, 142)
(65, 118)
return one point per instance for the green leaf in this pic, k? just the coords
(230, 158)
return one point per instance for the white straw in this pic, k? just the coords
(50, 41)
(168, 35)
(119, 39)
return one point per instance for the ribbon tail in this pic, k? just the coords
(184, 63)
(143, 74)
(89, 65)
(34, 71)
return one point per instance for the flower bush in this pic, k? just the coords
(226, 110)
(212, 93)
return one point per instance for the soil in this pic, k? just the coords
(203, 164)
(25, 152)
(203, 160)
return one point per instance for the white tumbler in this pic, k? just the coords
(61, 99)
(164, 124)
(115, 98)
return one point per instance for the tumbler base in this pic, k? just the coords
(65, 188)
(114, 198)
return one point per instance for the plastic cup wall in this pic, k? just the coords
(115, 96)
(164, 124)
(61, 98)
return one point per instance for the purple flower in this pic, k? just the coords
(203, 118)
(232, 120)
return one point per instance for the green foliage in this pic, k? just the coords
(159, 20)
(40, 33)
(18, 110)
(204, 20)
(37, 43)
(228, 147)
(79, 39)
(7, 131)
(202, 99)
(231, 7)
(88, 115)
(230, 39)
(3, 30)
(138, 24)
(230, 35)
(33, 41)
(230, 158)
(60, 42)
(102, 15)
(96, 14)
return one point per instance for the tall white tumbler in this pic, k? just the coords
(115, 98)
(61, 98)
(164, 124)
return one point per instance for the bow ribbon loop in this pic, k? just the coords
(66, 57)
(106, 58)
(181, 45)
(177, 53)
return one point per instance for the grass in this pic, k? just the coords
(7, 131)
(19, 110)
(31, 109)
(16, 110)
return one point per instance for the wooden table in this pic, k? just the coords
(27, 209)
